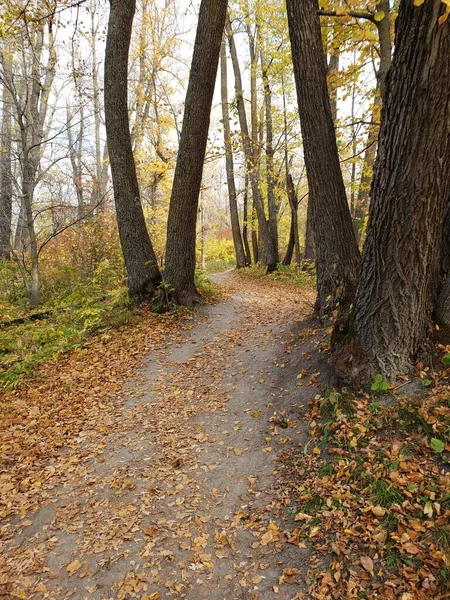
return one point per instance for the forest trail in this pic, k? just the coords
(176, 496)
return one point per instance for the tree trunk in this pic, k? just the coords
(332, 75)
(6, 180)
(181, 226)
(310, 250)
(251, 154)
(293, 243)
(273, 211)
(248, 256)
(235, 226)
(362, 201)
(335, 243)
(140, 260)
(411, 181)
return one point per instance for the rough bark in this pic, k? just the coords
(229, 162)
(6, 181)
(181, 226)
(310, 250)
(440, 284)
(411, 180)
(337, 255)
(251, 154)
(140, 260)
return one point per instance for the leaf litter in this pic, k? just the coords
(129, 477)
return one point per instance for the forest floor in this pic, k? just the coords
(130, 474)
(200, 456)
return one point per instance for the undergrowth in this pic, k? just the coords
(371, 491)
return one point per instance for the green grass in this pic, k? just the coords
(25, 346)
(384, 494)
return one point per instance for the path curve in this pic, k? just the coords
(181, 498)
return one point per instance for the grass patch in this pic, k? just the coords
(384, 494)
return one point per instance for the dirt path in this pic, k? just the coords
(177, 496)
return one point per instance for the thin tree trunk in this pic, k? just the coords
(140, 259)
(181, 226)
(409, 194)
(6, 181)
(293, 243)
(235, 226)
(273, 211)
(335, 243)
(333, 71)
(251, 154)
(100, 179)
(248, 256)
(384, 36)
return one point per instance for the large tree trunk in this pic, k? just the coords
(411, 180)
(181, 226)
(235, 226)
(251, 155)
(140, 260)
(337, 255)
(6, 180)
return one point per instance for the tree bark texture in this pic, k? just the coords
(337, 255)
(234, 214)
(310, 250)
(140, 260)
(181, 226)
(409, 190)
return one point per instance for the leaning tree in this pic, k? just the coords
(182, 220)
(140, 260)
(337, 254)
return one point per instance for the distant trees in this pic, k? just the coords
(229, 162)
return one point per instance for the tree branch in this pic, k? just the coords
(351, 13)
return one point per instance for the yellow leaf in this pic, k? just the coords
(379, 16)
(378, 511)
(73, 567)
(302, 517)
(267, 538)
(418, 2)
